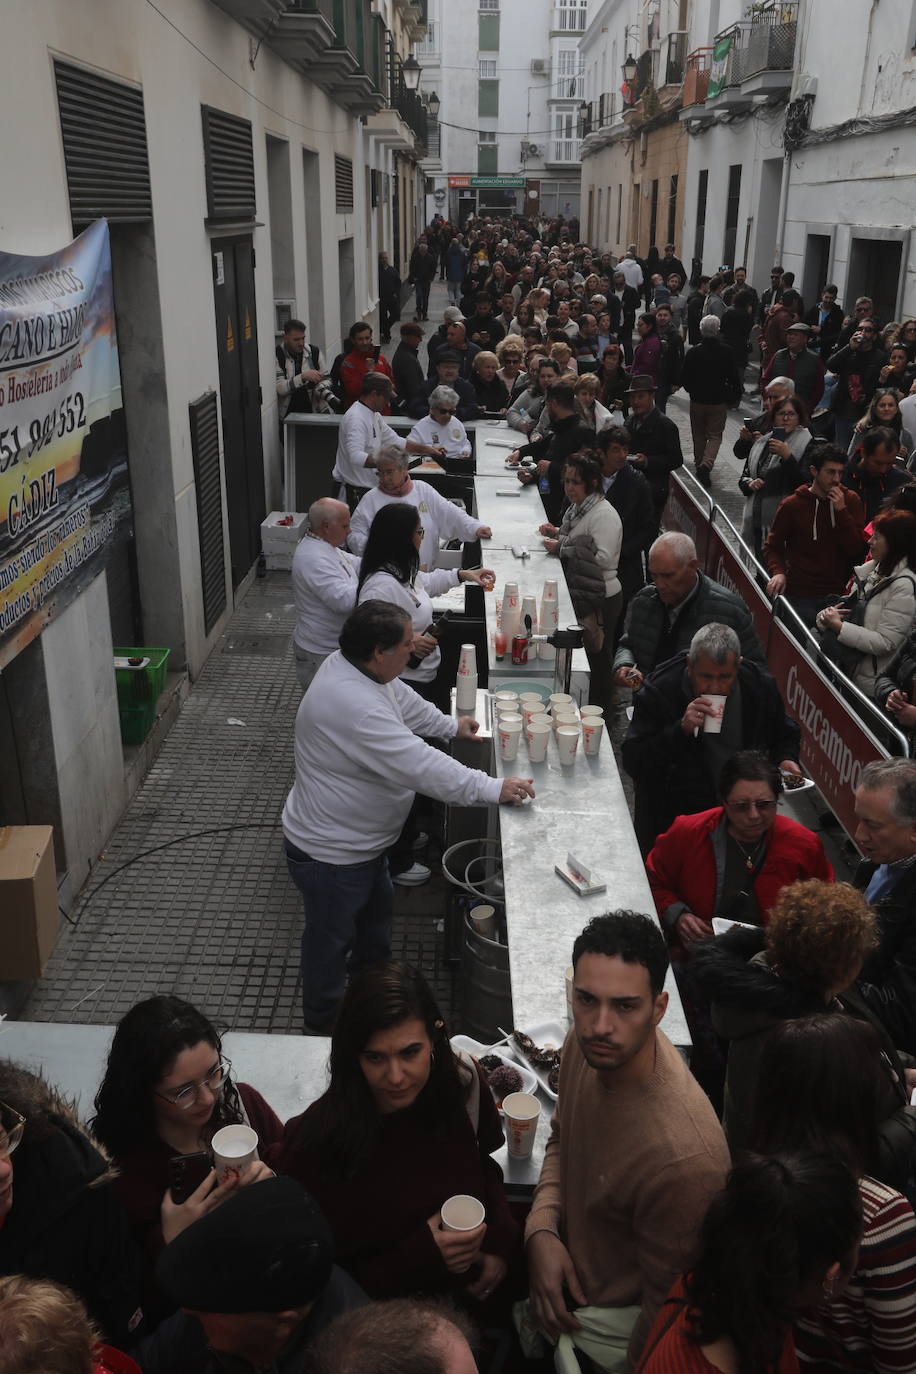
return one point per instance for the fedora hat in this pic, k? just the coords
(640, 383)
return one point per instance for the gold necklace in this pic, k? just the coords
(751, 858)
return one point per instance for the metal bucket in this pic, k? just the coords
(485, 993)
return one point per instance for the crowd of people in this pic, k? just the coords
(747, 1213)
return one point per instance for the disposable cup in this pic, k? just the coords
(505, 696)
(592, 730)
(569, 992)
(591, 711)
(532, 699)
(567, 744)
(530, 709)
(510, 732)
(506, 708)
(559, 699)
(483, 919)
(538, 720)
(538, 739)
(520, 1122)
(712, 725)
(511, 717)
(565, 718)
(233, 1148)
(462, 1213)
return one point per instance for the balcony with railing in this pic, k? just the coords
(345, 68)
(561, 152)
(401, 122)
(770, 50)
(601, 123)
(569, 18)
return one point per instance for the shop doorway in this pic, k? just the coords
(240, 398)
(874, 270)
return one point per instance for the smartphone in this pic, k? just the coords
(747, 421)
(777, 432)
(187, 1173)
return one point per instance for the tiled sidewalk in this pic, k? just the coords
(214, 917)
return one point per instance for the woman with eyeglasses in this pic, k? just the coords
(442, 426)
(60, 1214)
(490, 389)
(511, 373)
(733, 861)
(773, 469)
(390, 571)
(615, 379)
(167, 1090)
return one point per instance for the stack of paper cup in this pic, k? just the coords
(511, 610)
(520, 1121)
(567, 744)
(466, 682)
(549, 618)
(505, 698)
(558, 699)
(529, 608)
(509, 728)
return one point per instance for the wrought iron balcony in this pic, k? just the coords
(770, 50)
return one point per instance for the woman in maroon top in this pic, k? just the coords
(404, 1125)
(166, 1091)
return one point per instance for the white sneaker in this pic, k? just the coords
(414, 876)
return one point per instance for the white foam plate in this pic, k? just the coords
(796, 791)
(546, 1034)
(477, 1051)
(720, 925)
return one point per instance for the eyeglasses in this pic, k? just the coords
(420, 530)
(187, 1096)
(12, 1125)
(743, 806)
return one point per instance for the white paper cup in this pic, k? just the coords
(592, 730)
(520, 1123)
(567, 718)
(505, 696)
(712, 725)
(559, 699)
(567, 744)
(534, 697)
(591, 711)
(530, 709)
(483, 919)
(505, 708)
(510, 732)
(538, 739)
(569, 992)
(233, 1147)
(462, 1213)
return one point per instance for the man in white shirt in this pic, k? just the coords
(630, 269)
(325, 576)
(440, 518)
(360, 759)
(362, 433)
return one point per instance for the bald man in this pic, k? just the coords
(324, 586)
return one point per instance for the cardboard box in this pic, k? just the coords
(29, 918)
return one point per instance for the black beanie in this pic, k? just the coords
(265, 1249)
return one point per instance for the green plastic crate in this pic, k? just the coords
(136, 685)
(136, 720)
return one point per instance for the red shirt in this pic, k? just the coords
(670, 1348)
(353, 369)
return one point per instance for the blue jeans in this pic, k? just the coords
(347, 926)
(843, 431)
(454, 291)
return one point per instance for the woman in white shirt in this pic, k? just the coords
(441, 428)
(390, 571)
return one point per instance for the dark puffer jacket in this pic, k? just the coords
(584, 574)
(748, 1000)
(647, 619)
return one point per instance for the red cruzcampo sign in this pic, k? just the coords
(682, 512)
(835, 744)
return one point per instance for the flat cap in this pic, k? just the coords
(267, 1248)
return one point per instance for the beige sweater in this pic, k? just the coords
(628, 1174)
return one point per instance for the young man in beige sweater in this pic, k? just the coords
(635, 1151)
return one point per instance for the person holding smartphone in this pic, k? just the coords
(773, 469)
(167, 1090)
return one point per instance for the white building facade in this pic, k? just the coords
(509, 77)
(247, 190)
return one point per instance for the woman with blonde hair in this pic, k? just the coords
(562, 356)
(490, 389)
(590, 408)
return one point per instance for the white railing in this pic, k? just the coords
(564, 150)
(569, 18)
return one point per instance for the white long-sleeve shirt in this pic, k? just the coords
(452, 436)
(362, 433)
(440, 519)
(417, 602)
(324, 591)
(359, 762)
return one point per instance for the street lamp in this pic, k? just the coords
(629, 69)
(433, 104)
(411, 72)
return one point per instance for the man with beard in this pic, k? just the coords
(634, 1156)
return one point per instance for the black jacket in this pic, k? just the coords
(647, 620)
(748, 1000)
(710, 375)
(569, 435)
(693, 313)
(857, 374)
(888, 980)
(671, 360)
(627, 304)
(408, 374)
(873, 491)
(485, 324)
(467, 409)
(491, 396)
(631, 497)
(468, 354)
(389, 284)
(671, 769)
(673, 264)
(830, 330)
(660, 440)
(67, 1224)
(423, 266)
(179, 1345)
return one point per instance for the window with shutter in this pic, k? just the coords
(343, 184)
(208, 483)
(229, 166)
(103, 128)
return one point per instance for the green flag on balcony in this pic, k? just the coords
(719, 63)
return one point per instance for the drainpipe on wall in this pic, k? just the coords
(787, 158)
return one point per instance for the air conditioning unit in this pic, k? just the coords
(533, 150)
(538, 66)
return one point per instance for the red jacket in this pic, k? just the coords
(682, 864)
(814, 544)
(353, 369)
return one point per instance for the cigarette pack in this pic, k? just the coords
(580, 878)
